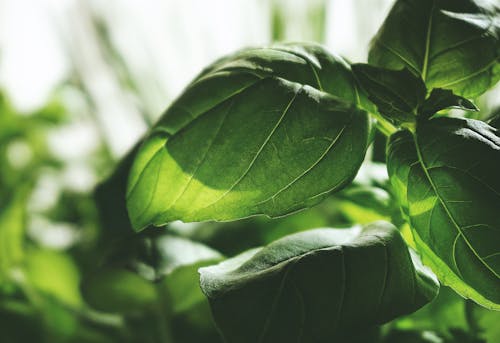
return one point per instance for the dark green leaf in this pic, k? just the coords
(154, 254)
(451, 44)
(118, 290)
(396, 93)
(316, 285)
(446, 177)
(495, 121)
(441, 99)
(257, 133)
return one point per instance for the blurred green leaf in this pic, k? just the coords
(12, 233)
(54, 274)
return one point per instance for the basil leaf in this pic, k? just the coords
(242, 140)
(451, 44)
(441, 99)
(316, 285)
(446, 177)
(396, 93)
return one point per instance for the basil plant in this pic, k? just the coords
(270, 131)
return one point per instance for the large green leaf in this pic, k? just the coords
(451, 44)
(316, 285)
(259, 132)
(446, 176)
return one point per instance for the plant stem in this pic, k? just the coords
(383, 125)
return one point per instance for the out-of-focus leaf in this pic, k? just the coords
(450, 44)
(285, 134)
(54, 274)
(12, 231)
(446, 178)
(110, 198)
(485, 323)
(444, 313)
(190, 312)
(118, 290)
(313, 285)
(364, 204)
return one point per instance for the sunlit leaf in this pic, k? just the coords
(258, 132)
(446, 177)
(450, 44)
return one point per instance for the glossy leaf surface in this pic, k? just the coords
(258, 132)
(316, 285)
(441, 99)
(446, 177)
(396, 93)
(451, 44)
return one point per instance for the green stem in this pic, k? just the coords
(383, 125)
(163, 315)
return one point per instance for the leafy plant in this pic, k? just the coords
(275, 130)
(286, 195)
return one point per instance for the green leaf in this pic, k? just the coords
(317, 285)
(441, 99)
(118, 291)
(485, 323)
(445, 312)
(396, 93)
(446, 178)
(145, 266)
(155, 253)
(54, 274)
(258, 132)
(450, 44)
(12, 233)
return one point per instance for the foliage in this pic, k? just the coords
(304, 230)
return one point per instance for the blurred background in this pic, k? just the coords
(80, 83)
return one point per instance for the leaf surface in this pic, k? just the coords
(446, 177)
(316, 285)
(451, 44)
(265, 131)
(441, 99)
(396, 93)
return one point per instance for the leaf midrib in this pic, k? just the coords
(445, 207)
(252, 162)
(425, 63)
